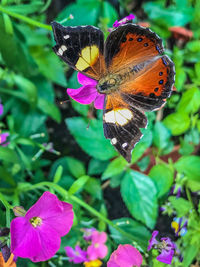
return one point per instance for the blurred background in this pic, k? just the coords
(46, 136)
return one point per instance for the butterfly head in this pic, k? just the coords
(109, 83)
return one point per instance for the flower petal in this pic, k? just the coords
(99, 237)
(1, 109)
(25, 241)
(166, 256)
(53, 212)
(84, 80)
(84, 95)
(153, 240)
(99, 101)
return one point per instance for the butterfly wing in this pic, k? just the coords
(81, 47)
(122, 123)
(138, 51)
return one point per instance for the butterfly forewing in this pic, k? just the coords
(81, 47)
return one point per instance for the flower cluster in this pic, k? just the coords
(96, 249)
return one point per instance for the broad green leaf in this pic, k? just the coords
(49, 108)
(190, 101)
(93, 187)
(109, 13)
(190, 166)
(162, 176)
(8, 154)
(181, 205)
(194, 185)
(139, 194)
(97, 166)
(170, 16)
(6, 176)
(189, 255)
(139, 231)
(26, 9)
(91, 139)
(161, 135)
(78, 184)
(75, 166)
(177, 122)
(115, 167)
(180, 78)
(194, 46)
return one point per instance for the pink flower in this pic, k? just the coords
(1, 109)
(87, 93)
(166, 247)
(88, 233)
(97, 250)
(123, 21)
(37, 235)
(76, 255)
(3, 138)
(125, 256)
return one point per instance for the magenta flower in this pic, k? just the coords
(166, 247)
(1, 108)
(125, 256)
(88, 233)
(87, 93)
(3, 138)
(123, 21)
(76, 255)
(97, 249)
(37, 235)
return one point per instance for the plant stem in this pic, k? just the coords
(26, 19)
(189, 197)
(8, 208)
(81, 203)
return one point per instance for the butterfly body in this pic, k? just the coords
(130, 69)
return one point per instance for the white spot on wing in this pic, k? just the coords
(61, 50)
(113, 141)
(124, 145)
(66, 36)
(119, 116)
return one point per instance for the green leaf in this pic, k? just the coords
(177, 122)
(139, 231)
(7, 154)
(58, 174)
(115, 167)
(26, 9)
(6, 176)
(161, 135)
(181, 205)
(139, 194)
(50, 109)
(109, 13)
(93, 187)
(170, 16)
(189, 255)
(190, 166)
(75, 166)
(91, 140)
(190, 101)
(194, 46)
(180, 78)
(162, 176)
(78, 184)
(97, 166)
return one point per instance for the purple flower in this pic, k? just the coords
(1, 108)
(3, 138)
(87, 93)
(97, 249)
(179, 226)
(123, 21)
(37, 235)
(125, 255)
(166, 248)
(88, 233)
(76, 255)
(176, 190)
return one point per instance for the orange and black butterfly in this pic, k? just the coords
(131, 71)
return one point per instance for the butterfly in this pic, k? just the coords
(131, 70)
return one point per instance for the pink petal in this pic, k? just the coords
(1, 109)
(99, 237)
(92, 253)
(25, 241)
(84, 80)
(50, 243)
(99, 101)
(83, 95)
(102, 251)
(53, 212)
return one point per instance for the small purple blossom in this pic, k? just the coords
(179, 226)
(1, 108)
(176, 190)
(123, 21)
(87, 93)
(125, 255)
(87, 233)
(166, 248)
(3, 138)
(37, 235)
(76, 255)
(97, 249)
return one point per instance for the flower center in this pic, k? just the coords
(36, 221)
(96, 245)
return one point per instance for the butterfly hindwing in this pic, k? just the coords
(81, 47)
(121, 124)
